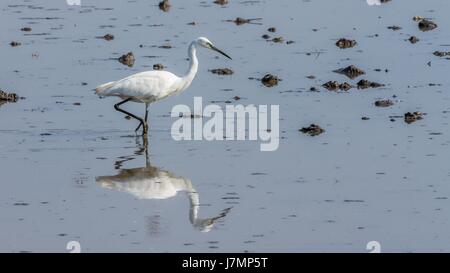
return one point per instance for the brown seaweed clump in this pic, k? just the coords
(127, 59)
(312, 130)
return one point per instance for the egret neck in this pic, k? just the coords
(193, 66)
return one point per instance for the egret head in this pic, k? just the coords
(204, 42)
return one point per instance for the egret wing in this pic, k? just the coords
(150, 85)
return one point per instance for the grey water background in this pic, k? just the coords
(359, 181)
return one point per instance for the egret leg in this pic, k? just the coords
(145, 119)
(116, 106)
(146, 116)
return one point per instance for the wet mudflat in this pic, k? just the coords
(72, 168)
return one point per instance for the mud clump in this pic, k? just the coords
(240, 21)
(394, 28)
(441, 53)
(14, 44)
(413, 39)
(383, 103)
(364, 84)
(270, 80)
(107, 37)
(345, 43)
(127, 59)
(164, 5)
(8, 97)
(278, 40)
(221, 2)
(351, 71)
(312, 130)
(158, 67)
(334, 85)
(427, 25)
(222, 71)
(413, 117)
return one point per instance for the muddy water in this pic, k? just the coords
(73, 170)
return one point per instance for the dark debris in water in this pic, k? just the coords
(240, 21)
(345, 43)
(164, 5)
(411, 117)
(222, 71)
(8, 97)
(14, 44)
(127, 59)
(270, 80)
(334, 85)
(363, 84)
(384, 103)
(351, 71)
(441, 53)
(413, 39)
(394, 28)
(158, 67)
(221, 2)
(427, 25)
(312, 130)
(107, 37)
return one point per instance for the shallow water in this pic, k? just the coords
(359, 181)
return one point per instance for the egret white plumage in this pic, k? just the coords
(151, 86)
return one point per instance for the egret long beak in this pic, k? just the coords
(220, 51)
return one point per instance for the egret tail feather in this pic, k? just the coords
(102, 88)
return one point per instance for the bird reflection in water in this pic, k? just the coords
(151, 182)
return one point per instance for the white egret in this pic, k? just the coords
(151, 86)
